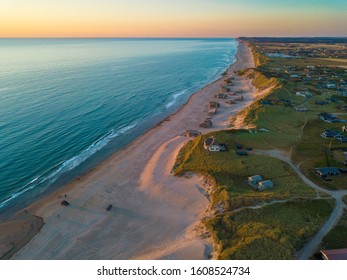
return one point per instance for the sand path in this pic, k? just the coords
(154, 213)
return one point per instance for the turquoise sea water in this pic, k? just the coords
(67, 103)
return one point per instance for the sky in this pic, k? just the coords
(172, 18)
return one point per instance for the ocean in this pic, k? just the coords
(67, 104)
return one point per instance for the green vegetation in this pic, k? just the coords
(275, 223)
(260, 81)
(259, 59)
(229, 174)
(282, 131)
(287, 129)
(336, 238)
(314, 151)
(276, 231)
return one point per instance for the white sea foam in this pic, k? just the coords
(175, 97)
(53, 174)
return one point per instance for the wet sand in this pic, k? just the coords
(153, 213)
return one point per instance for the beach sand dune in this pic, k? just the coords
(153, 213)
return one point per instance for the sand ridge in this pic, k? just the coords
(154, 213)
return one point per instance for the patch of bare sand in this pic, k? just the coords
(238, 121)
(154, 214)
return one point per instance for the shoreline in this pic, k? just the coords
(64, 179)
(153, 212)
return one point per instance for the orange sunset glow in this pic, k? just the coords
(155, 18)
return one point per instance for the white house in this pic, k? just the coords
(212, 145)
(298, 93)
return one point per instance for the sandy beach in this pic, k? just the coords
(153, 213)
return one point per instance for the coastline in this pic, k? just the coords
(153, 213)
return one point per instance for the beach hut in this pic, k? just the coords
(225, 88)
(213, 104)
(212, 111)
(207, 123)
(192, 133)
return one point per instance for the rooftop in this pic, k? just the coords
(337, 254)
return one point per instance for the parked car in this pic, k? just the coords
(327, 179)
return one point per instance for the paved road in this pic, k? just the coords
(311, 247)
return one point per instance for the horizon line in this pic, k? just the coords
(171, 37)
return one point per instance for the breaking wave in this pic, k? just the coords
(53, 174)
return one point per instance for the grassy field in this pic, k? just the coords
(282, 132)
(313, 151)
(229, 173)
(336, 238)
(276, 231)
(290, 130)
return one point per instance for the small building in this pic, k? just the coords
(240, 98)
(329, 133)
(328, 118)
(342, 107)
(331, 86)
(229, 80)
(212, 145)
(225, 88)
(254, 180)
(230, 102)
(301, 109)
(221, 96)
(207, 123)
(207, 143)
(265, 185)
(213, 104)
(212, 111)
(192, 133)
(299, 94)
(327, 171)
(336, 254)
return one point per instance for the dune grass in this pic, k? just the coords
(314, 151)
(229, 173)
(290, 130)
(276, 231)
(336, 238)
